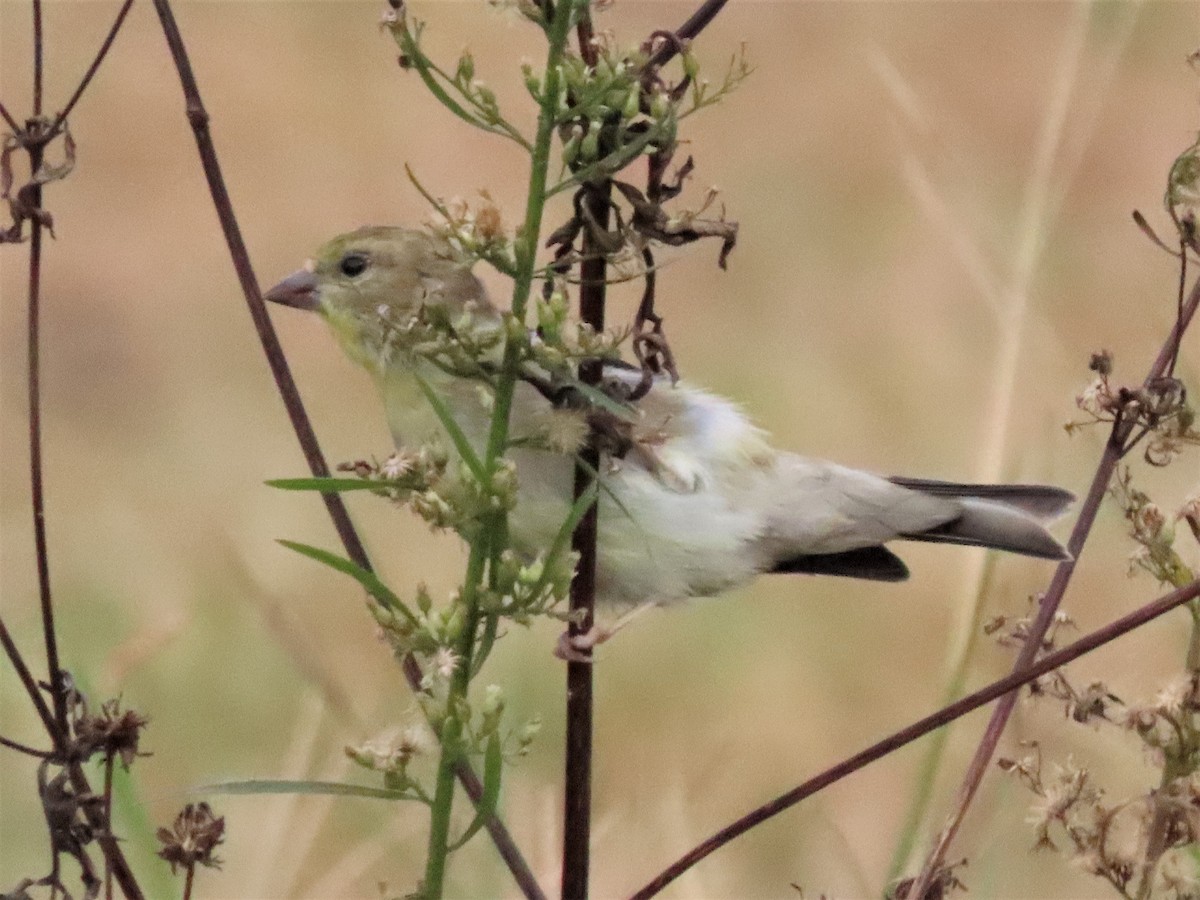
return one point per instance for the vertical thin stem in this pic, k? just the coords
(37, 490)
(526, 245)
(108, 784)
(450, 734)
(198, 118)
(577, 806)
(38, 55)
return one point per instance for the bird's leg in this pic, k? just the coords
(577, 648)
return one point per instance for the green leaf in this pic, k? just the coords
(325, 485)
(578, 510)
(325, 788)
(461, 444)
(597, 397)
(493, 764)
(487, 639)
(368, 579)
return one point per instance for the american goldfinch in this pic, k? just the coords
(700, 503)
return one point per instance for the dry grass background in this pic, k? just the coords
(935, 204)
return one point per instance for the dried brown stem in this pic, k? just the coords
(108, 785)
(91, 70)
(1004, 687)
(696, 23)
(8, 119)
(25, 748)
(31, 689)
(38, 58)
(577, 790)
(1116, 447)
(198, 118)
(36, 486)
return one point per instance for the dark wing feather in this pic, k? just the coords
(871, 563)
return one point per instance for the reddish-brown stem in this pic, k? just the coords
(36, 487)
(1114, 450)
(695, 24)
(113, 855)
(31, 689)
(198, 118)
(108, 777)
(8, 119)
(91, 70)
(188, 881)
(1005, 687)
(577, 790)
(25, 748)
(38, 57)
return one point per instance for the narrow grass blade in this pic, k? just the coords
(493, 763)
(369, 580)
(284, 786)
(324, 485)
(461, 444)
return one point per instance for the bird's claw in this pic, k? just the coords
(578, 648)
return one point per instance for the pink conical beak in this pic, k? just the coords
(298, 290)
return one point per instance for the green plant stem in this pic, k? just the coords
(450, 735)
(494, 528)
(1193, 656)
(527, 241)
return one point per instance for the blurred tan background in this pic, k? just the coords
(934, 202)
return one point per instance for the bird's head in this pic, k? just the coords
(368, 282)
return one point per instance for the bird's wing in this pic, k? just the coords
(819, 507)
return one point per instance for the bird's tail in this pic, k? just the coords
(1001, 516)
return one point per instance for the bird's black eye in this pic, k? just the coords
(353, 264)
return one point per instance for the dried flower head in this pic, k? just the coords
(113, 732)
(193, 837)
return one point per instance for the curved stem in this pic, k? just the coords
(91, 70)
(198, 118)
(1114, 450)
(1005, 687)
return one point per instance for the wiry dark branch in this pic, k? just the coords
(31, 688)
(577, 806)
(38, 57)
(91, 70)
(307, 438)
(1005, 687)
(37, 492)
(24, 748)
(1117, 446)
(8, 119)
(698, 21)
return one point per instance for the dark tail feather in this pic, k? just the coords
(1039, 500)
(1002, 516)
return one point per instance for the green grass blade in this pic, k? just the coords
(493, 763)
(369, 580)
(325, 485)
(283, 786)
(461, 444)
